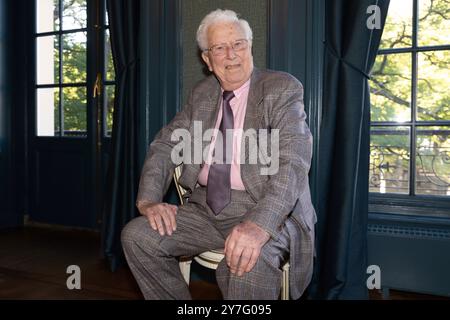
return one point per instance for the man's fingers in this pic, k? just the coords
(253, 259)
(169, 213)
(173, 221)
(243, 262)
(167, 222)
(235, 256)
(159, 224)
(152, 222)
(229, 247)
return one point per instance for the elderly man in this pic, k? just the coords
(260, 220)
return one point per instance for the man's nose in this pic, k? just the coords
(231, 54)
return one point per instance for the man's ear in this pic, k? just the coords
(206, 59)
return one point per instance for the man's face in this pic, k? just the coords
(233, 68)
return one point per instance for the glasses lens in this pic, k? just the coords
(240, 45)
(221, 49)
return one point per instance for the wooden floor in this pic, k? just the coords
(33, 263)
(34, 260)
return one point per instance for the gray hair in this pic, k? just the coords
(220, 16)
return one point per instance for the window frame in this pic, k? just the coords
(105, 82)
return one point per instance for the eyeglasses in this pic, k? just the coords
(221, 49)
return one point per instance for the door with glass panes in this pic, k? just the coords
(71, 118)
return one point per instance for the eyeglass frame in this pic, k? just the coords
(227, 46)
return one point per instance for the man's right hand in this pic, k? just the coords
(161, 216)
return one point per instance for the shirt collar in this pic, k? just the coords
(239, 91)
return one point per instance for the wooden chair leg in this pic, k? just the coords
(285, 283)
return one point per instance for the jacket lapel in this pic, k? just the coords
(252, 119)
(255, 97)
(207, 105)
(212, 107)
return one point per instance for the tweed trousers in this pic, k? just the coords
(153, 259)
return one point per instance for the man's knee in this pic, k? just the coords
(263, 281)
(136, 231)
(268, 264)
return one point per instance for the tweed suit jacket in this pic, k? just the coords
(275, 101)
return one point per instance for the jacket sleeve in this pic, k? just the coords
(284, 188)
(158, 168)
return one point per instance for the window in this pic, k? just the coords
(61, 56)
(410, 102)
(62, 93)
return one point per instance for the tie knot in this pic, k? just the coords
(228, 95)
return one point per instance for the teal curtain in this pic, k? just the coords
(350, 52)
(122, 177)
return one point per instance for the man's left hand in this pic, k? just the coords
(243, 246)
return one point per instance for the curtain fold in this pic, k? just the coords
(122, 175)
(351, 47)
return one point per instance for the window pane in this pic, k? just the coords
(47, 16)
(47, 112)
(110, 75)
(390, 88)
(74, 14)
(433, 96)
(106, 18)
(109, 108)
(47, 60)
(397, 32)
(434, 22)
(389, 160)
(75, 110)
(433, 161)
(74, 57)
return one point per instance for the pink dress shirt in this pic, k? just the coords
(238, 106)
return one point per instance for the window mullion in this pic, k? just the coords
(415, 22)
(413, 132)
(60, 52)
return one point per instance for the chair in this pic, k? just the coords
(211, 259)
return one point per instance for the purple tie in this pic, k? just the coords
(218, 189)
